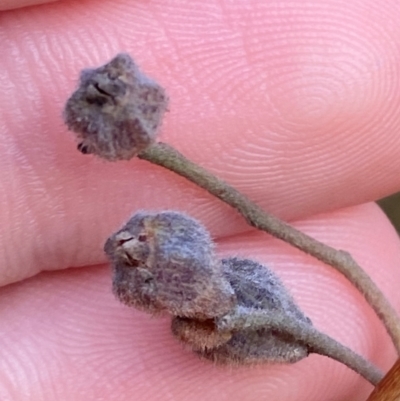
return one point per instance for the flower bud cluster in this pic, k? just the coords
(165, 262)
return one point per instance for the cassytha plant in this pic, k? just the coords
(230, 311)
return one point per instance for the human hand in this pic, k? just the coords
(295, 105)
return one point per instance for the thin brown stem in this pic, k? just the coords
(317, 342)
(167, 157)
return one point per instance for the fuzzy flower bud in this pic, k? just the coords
(256, 288)
(116, 110)
(166, 262)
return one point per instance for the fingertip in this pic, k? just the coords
(11, 4)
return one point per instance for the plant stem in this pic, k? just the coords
(301, 332)
(164, 155)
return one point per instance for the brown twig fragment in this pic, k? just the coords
(169, 158)
(388, 388)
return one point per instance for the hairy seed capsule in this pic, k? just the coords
(256, 288)
(200, 335)
(116, 111)
(166, 262)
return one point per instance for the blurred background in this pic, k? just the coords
(391, 206)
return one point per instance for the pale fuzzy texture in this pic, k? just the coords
(199, 335)
(256, 346)
(116, 110)
(256, 287)
(165, 262)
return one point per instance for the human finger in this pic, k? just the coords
(11, 4)
(66, 337)
(271, 99)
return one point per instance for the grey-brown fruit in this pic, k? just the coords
(198, 334)
(256, 287)
(165, 262)
(116, 110)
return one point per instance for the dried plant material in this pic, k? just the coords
(116, 111)
(200, 335)
(166, 262)
(169, 158)
(113, 125)
(256, 346)
(256, 288)
(234, 311)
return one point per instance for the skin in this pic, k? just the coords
(294, 103)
